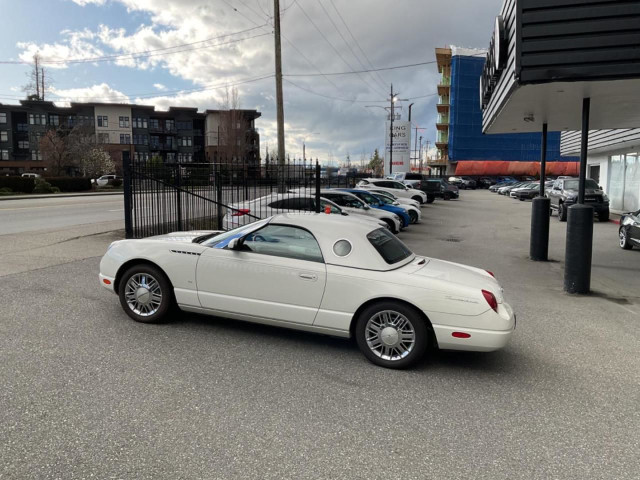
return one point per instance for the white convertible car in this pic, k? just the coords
(315, 272)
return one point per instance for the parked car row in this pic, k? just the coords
(432, 187)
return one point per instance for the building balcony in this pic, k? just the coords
(444, 89)
(442, 108)
(437, 162)
(442, 127)
(442, 137)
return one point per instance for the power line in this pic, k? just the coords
(347, 43)
(356, 41)
(144, 53)
(363, 71)
(330, 44)
(158, 94)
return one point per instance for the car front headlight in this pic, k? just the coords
(604, 197)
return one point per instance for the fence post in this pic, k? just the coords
(126, 183)
(179, 196)
(317, 187)
(217, 178)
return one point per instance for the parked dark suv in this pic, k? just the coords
(564, 193)
(441, 188)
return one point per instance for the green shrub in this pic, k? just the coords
(6, 190)
(18, 184)
(70, 184)
(42, 186)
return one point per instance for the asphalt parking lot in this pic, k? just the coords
(89, 393)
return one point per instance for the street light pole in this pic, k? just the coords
(391, 134)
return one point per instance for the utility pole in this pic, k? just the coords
(392, 100)
(279, 97)
(420, 153)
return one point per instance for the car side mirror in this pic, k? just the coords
(343, 213)
(366, 207)
(234, 244)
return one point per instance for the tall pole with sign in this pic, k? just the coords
(391, 133)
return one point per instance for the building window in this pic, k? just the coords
(171, 157)
(36, 137)
(36, 155)
(185, 157)
(139, 122)
(184, 125)
(23, 144)
(169, 142)
(155, 141)
(54, 120)
(154, 123)
(124, 122)
(4, 136)
(22, 127)
(237, 125)
(37, 119)
(169, 125)
(3, 117)
(140, 140)
(141, 156)
(4, 154)
(185, 141)
(103, 138)
(125, 139)
(103, 121)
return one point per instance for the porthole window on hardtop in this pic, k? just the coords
(342, 248)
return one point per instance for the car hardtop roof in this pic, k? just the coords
(321, 224)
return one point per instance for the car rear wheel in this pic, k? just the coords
(625, 244)
(391, 334)
(431, 199)
(390, 225)
(562, 212)
(417, 199)
(145, 294)
(447, 196)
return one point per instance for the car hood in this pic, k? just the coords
(186, 237)
(459, 274)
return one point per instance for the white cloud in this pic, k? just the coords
(75, 45)
(94, 93)
(159, 86)
(406, 33)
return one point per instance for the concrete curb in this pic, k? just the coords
(58, 195)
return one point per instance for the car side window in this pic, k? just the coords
(284, 241)
(293, 203)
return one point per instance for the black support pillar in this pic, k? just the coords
(539, 245)
(577, 270)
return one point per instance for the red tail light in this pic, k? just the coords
(491, 300)
(490, 273)
(240, 212)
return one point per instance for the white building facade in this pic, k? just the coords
(613, 161)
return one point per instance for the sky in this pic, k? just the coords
(230, 43)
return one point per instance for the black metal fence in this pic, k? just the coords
(166, 197)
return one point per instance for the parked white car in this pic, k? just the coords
(319, 273)
(397, 188)
(106, 179)
(398, 200)
(352, 204)
(250, 211)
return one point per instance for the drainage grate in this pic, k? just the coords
(452, 239)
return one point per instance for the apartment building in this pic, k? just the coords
(139, 132)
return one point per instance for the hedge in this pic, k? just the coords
(18, 184)
(70, 184)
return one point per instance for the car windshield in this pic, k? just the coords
(370, 199)
(384, 200)
(388, 246)
(573, 184)
(222, 240)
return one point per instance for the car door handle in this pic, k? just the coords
(308, 276)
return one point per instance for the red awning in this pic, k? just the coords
(515, 168)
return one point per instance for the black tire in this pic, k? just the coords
(447, 196)
(413, 216)
(625, 244)
(417, 199)
(391, 225)
(431, 199)
(562, 212)
(417, 323)
(603, 216)
(166, 302)
(522, 199)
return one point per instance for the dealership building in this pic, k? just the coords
(463, 149)
(614, 162)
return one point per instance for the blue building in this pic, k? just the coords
(463, 148)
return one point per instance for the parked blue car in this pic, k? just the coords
(375, 202)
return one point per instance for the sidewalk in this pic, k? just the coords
(58, 195)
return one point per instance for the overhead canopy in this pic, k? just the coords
(547, 56)
(491, 168)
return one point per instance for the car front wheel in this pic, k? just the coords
(413, 216)
(562, 212)
(392, 335)
(625, 244)
(145, 294)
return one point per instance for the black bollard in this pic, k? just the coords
(577, 268)
(539, 246)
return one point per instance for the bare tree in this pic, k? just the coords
(64, 151)
(231, 134)
(39, 82)
(53, 146)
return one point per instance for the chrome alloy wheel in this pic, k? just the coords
(390, 335)
(623, 237)
(143, 294)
